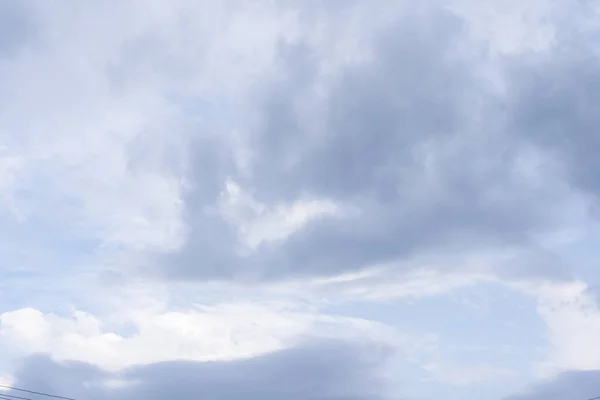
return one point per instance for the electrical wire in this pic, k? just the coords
(12, 396)
(30, 391)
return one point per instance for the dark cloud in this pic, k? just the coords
(414, 137)
(324, 370)
(581, 385)
(555, 96)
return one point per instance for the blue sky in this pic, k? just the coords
(300, 199)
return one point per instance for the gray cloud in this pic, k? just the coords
(554, 97)
(581, 385)
(414, 137)
(323, 370)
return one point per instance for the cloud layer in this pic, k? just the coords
(321, 370)
(305, 199)
(409, 145)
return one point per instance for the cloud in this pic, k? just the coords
(406, 140)
(324, 153)
(572, 318)
(225, 331)
(316, 146)
(314, 370)
(553, 96)
(569, 385)
(16, 27)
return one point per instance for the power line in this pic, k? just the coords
(32, 392)
(6, 397)
(12, 396)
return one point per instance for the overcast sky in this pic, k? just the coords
(300, 199)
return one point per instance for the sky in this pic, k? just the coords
(300, 199)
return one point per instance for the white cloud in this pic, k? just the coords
(424, 276)
(382, 284)
(107, 127)
(221, 332)
(572, 317)
(73, 155)
(257, 222)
